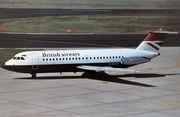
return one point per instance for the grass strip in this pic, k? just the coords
(97, 24)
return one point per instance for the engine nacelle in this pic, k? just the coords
(134, 60)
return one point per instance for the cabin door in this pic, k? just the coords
(35, 62)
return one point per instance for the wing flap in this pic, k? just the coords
(105, 69)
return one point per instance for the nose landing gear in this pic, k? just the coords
(33, 75)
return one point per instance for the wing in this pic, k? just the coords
(105, 68)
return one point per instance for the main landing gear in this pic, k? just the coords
(99, 75)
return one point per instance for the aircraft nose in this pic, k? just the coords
(3, 66)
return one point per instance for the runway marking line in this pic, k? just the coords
(171, 103)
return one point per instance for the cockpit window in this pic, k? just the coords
(18, 58)
(22, 58)
(14, 58)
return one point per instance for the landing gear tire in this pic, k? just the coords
(99, 75)
(93, 73)
(33, 75)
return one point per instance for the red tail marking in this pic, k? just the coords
(155, 36)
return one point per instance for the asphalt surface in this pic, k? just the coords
(154, 92)
(17, 13)
(77, 40)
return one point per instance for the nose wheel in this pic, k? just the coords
(33, 75)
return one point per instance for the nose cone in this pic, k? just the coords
(4, 66)
(8, 67)
(16, 68)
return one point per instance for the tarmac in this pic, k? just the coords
(51, 40)
(153, 92)
(27, 12)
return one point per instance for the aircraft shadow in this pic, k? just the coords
(141, 75)
(107, 78)
(51, 77)
(116, 79)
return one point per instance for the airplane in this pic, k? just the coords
(95, 61)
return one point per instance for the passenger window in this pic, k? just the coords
(56, 59)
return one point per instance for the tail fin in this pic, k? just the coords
(154, 40)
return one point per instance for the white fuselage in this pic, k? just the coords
(68, 60)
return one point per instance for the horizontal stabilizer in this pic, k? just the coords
(163, 31)
(105, 69)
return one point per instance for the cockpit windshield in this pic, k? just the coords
(18, 58)
(22, 58)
